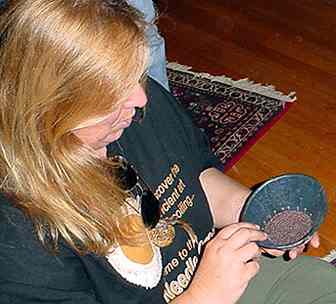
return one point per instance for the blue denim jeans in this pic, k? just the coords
(157, 68)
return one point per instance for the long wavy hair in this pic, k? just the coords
(63, 62)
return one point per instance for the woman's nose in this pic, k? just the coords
(137, 98)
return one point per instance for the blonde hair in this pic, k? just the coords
(63, 62)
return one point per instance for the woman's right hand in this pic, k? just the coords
(229, 262)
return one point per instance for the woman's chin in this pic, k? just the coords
(115, 136)
(107, 140)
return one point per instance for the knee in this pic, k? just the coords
(315, 267)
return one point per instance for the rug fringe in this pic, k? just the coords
(331, 256)
(244, 84)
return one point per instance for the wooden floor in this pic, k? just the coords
(290, 44)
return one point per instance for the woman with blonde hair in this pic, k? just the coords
(102, 204)
(66, 69)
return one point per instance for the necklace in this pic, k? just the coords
(163, 234)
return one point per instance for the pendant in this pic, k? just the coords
(163, 234)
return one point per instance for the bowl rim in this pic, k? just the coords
(301, 241)
(262, 185)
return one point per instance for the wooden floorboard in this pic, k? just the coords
(290, 44)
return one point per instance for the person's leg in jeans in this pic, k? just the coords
(157, 69)
(304, 280)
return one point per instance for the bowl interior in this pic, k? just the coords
(290, 194)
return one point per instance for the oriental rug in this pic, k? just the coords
(233, 113)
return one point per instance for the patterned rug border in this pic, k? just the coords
(261, 132)
(273, 106)
(243, 84)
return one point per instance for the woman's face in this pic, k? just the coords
(98, 133)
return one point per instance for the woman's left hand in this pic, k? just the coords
(314, 241)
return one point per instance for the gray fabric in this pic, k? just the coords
(304, 280)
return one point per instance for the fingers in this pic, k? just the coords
(293, 254)
(238, 235)
(251, 269)
(315, 240)
(249, 252)
(227, 232)
(273, 252)
(244, 236)
(240, 240)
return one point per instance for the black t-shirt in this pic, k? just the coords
(169, 153)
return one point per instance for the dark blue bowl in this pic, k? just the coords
(294, 192)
